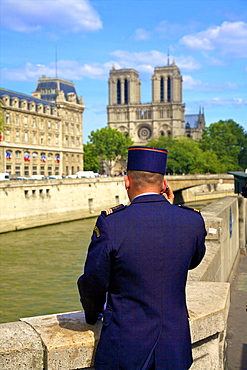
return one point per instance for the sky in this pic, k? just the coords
(80, 41)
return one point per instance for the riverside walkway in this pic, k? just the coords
(237, 319)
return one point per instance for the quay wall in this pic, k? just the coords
(35, 203)
(31, 203)
(65, 342)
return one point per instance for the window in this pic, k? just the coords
(56, 140)
(35, 155)
(26, 137)
(42, 170)
(50, 156)
(66, 141)
(34, 170)
(77, 129)
(17, 170)
(42, 123)
(49, 125)
(126, 91)
(18, 154)
(118, 92)
(41, 139)
(8, 168)
(49, 140)
(26, 170)
(7, 119)
(34, 122)
(17, 136)
(77, 141)
(17, 119)
(56, 170)
(34, 138)
(162, 89)
(49, 171)
(7, 135)
(56, 125)
(169, 89)
(72, 141)
(25, 121)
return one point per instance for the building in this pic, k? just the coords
(43, 131)
(164, 116)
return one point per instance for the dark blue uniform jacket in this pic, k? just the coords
(141, 255)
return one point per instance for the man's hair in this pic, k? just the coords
(142, 179)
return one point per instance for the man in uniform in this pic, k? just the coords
(138, 258)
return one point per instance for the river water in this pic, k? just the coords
(39, 269)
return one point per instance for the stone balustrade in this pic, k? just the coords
(65, 342)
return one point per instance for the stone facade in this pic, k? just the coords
(164, 116)
(43, 134)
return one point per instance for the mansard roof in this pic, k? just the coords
(191, 120)
(49, 88)
(21, 97)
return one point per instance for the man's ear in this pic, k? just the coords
(127, 182)
(163, 187)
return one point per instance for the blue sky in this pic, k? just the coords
(207, 39)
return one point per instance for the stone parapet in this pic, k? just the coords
(65, 342)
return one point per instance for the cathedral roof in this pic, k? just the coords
(191, 121)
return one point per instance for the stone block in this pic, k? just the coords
(208, 305)
(21, 347)
(69, 342)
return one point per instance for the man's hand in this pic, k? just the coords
(168, 193)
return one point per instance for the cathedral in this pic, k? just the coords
(164, 116)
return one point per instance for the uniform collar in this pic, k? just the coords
(149, 197)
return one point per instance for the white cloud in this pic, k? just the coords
(146, 61)
(141, 34)
(73, 70)
(63, 15)
(229, 39)
(189, 83)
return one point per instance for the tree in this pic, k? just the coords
(91, 158)
(185, 156)
(110, 145)
(228, 141)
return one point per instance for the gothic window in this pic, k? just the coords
(126, 91)
(162, 89)
(169, 89)
(118, 92)
(162, 133)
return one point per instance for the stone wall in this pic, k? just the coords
(31, 203)
(64, 341)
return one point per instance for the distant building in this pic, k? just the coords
(43, 134)
(164, 116)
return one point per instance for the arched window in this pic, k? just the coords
(169, 92)
(118, 92)
(126, 91)
(162, 89)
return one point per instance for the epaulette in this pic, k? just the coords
(112, 210)
(189, 208)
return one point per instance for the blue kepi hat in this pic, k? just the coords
(142, 158)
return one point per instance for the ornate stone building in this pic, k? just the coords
(43, 134)
(164, 116)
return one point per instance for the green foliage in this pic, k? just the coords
(223, 148)
(228, 141)
(91, 158)
(108, 144)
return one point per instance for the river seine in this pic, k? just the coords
(39, 269)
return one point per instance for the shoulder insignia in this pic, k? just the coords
(96, 230)
(112, 210)
(189, 208)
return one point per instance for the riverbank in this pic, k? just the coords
(33, 203)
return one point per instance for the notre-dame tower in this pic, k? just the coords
(164, 116)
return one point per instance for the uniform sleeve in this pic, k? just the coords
(93, 284)
(200, 244)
